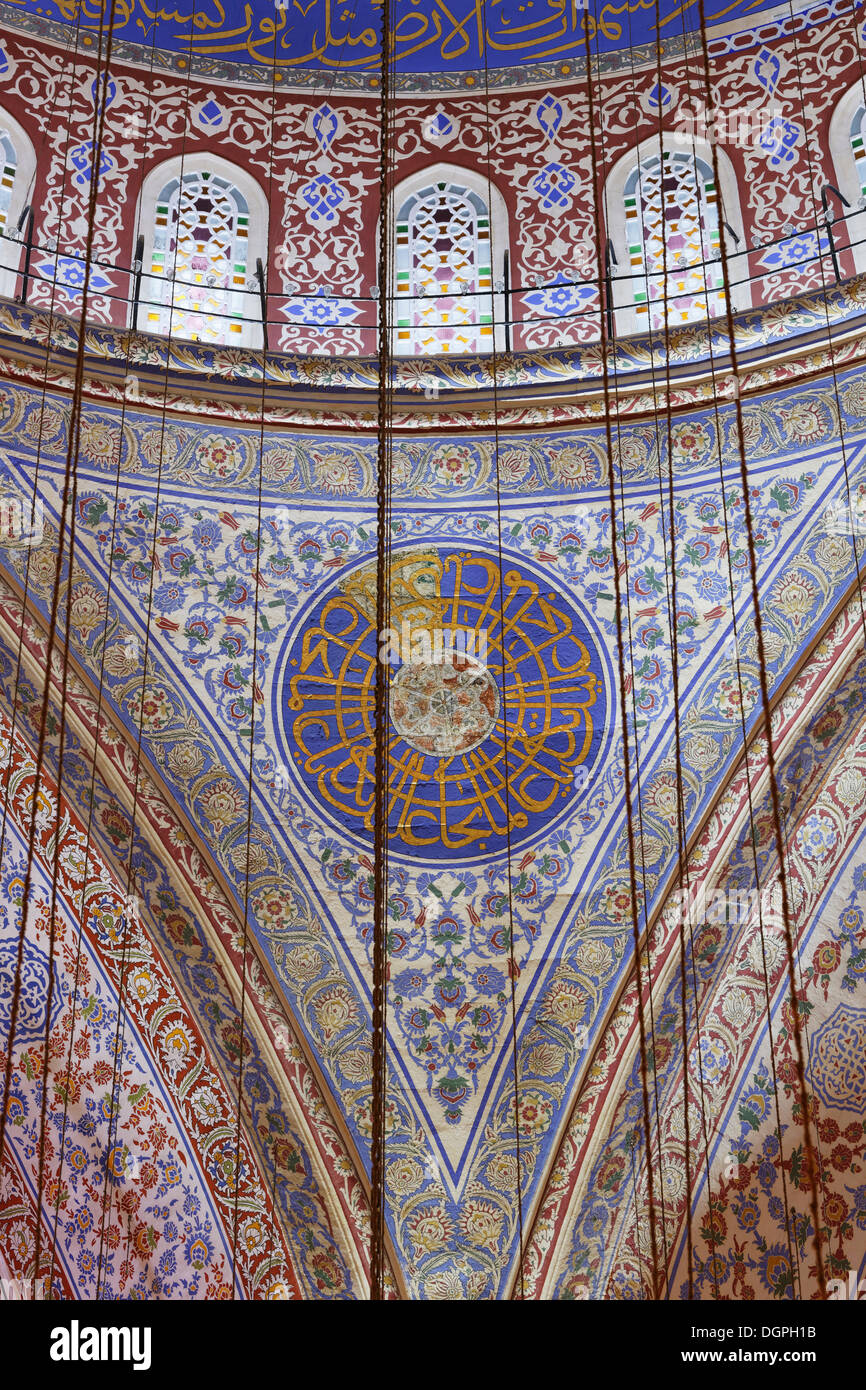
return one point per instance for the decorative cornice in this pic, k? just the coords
(788, 340)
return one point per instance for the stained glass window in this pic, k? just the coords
(7, 180)
(443, 272)
(672, 223)
(858, 146)
(199, 260)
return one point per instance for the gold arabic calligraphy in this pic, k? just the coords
(534, 740)
(328, 31)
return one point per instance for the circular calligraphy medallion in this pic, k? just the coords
(498, 702)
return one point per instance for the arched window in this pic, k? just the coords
(18, 163)
(858, 147)
(7, 178)
(447, 264)
(663, 215)
(203, 232)
(848, 151)
(672, 223)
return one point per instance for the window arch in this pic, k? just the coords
(672, 221)
(848, 151)
(857, 136)
(448, 261)
(17, 169)
(205, 225)
(663, 212)
(9, 162)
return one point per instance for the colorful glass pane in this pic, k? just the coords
(858, 146)
(443, 272)
(672, 225)
(7, 178)
(200, 257)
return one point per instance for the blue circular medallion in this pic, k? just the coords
(498, 692)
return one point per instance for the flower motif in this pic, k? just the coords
(143, 983)
(795, 594)
(503, 1172)
(430, 1229)
(595, 958)
(185, 761)
(611, 1172)
(409, 984)
(748, 1214)
(574, 466)
(206, 536)
(281, 466)
(453, 465)
(336, 1011)
(702, 752)
(817, 837)
(514, 464)
(326, 1271)
(337, 474)
(566, 1003)
(834, 554)
(176, 1046)
(356, 1066)
(405, 1176)
(488, 980)
(43, 568)
(276, 909)
(616, 901)
(729, 700)
(254, 855)
(711, 587)
(828, 724)
(690, 443)
(534, 1114)
(835, 1209)
(804, 423)
(167, 598)
(662, 796)
(156, 711)
(481, 1224)
(220, 456)
(737, 1007)
(444, 1287)
(850, 787)
(87, 608)
(545, 1060)
(206, 1105)
(630, 454)
(303, 962)
(45, 423)
(674, 1182)
(714, 1058)
(116, 824)
(100, 443)
(224, 1168)
(826, 958)
(253, 1234)
(223, 804)
(855, 397)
